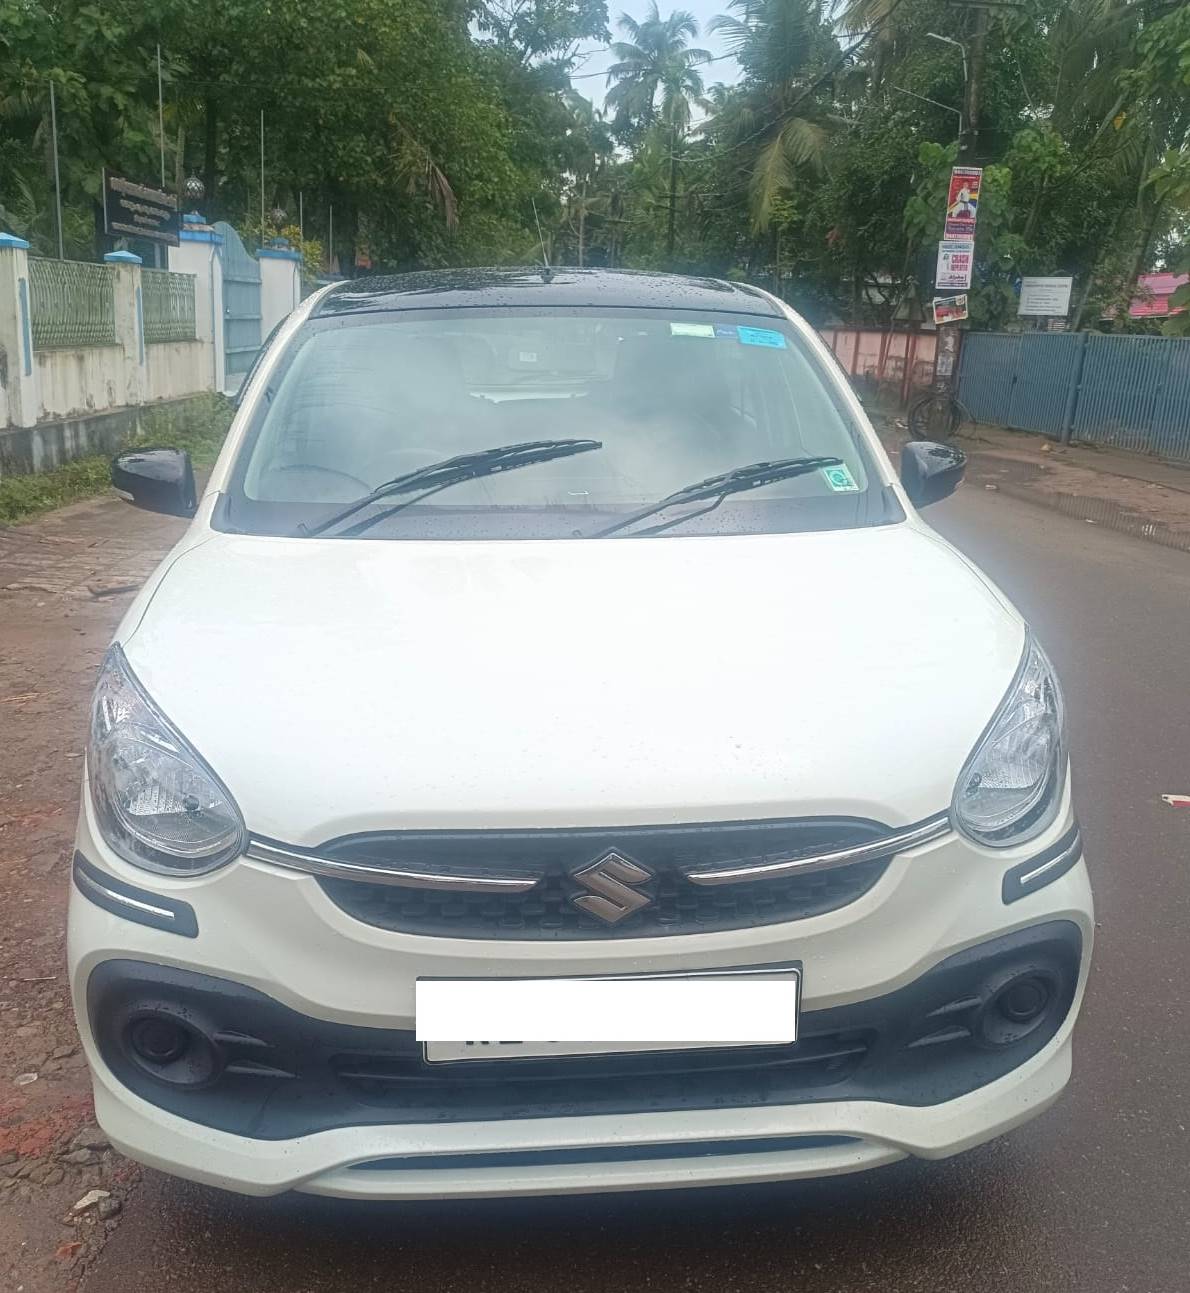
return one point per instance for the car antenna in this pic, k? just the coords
(546, 272)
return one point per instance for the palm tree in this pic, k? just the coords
(655, 59)
(591, 146)
(776, 120)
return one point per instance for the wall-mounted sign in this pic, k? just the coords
(1045, 296)
(962, 202)
(950, 309)
(134, 211)
(955, 259)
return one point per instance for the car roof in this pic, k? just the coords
(532, 287)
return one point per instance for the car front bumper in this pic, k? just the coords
(277, 934)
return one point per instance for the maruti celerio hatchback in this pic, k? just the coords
(556, 758)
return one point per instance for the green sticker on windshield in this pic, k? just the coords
(691, 330)
(840, 480)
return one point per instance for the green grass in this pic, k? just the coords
(198, 426)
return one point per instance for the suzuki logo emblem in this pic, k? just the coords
(609, 879)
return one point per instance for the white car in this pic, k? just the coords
(558, 758)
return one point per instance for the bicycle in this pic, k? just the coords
(936, 414)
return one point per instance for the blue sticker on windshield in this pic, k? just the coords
(762, 337)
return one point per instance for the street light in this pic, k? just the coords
(937, 104)
(958, 44)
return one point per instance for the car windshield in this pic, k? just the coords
(672, 398)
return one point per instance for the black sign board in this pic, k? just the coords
(134, 211)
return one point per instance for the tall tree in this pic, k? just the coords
(655, 60)
(778, 121)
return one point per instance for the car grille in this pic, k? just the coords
(627, 1083)
(548, 911)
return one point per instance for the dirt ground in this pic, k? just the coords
(1136, 494)
(64, 583)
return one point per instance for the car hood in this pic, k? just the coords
(350, 685)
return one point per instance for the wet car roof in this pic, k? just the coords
(498, 288)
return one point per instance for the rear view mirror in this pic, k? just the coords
(930, 471)
(161, 480)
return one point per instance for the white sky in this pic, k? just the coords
(597, 60)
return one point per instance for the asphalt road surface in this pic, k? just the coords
(1095, 1195)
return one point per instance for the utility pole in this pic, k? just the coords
(673, 191)
(57, 176)
(160, 119)
(970, 138)
(262, 175)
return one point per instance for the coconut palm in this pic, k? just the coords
(776, 121)
(591, 147)
(654, 60)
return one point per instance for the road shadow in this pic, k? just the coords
(972, 1223)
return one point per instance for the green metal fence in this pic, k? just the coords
(169, 305)
(72, 303)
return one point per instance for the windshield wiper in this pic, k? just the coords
(450, 471)
(717, 488)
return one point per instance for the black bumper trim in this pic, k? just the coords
(274, 1073)
(1027, 877)
(141, 906)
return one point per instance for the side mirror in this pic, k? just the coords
(160, 479)
(930, 471)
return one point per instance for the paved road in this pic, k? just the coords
(1093, 1198)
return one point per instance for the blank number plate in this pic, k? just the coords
(485, 1019)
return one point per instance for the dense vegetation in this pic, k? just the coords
(441, 131)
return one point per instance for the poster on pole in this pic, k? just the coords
(962, 201)
(1045, 296)
(950, 309)
(956, 257)
(137, 211)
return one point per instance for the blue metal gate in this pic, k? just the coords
(241, 306)
(1132, 392)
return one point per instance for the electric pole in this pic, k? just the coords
(673, 191)
(969, 142)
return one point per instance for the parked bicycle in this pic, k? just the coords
(937, 414)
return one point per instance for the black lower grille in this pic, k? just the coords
(275, 1073)
(609, 1084)
(675, 906)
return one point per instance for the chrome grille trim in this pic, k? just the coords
(780, 868)
(404, 878)
(769, 869)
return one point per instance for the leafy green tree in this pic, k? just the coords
(783, 47)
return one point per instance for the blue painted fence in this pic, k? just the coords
(1130, 392)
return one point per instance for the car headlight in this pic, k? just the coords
(1010, 788)
(157, 803)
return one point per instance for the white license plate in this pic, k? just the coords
(486, 1019)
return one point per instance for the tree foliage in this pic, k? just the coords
(442, 131)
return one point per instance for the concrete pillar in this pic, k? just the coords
(280, 283)
(199, 253)
(18, 372)
(130, 324)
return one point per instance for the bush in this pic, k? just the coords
(199, 426)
